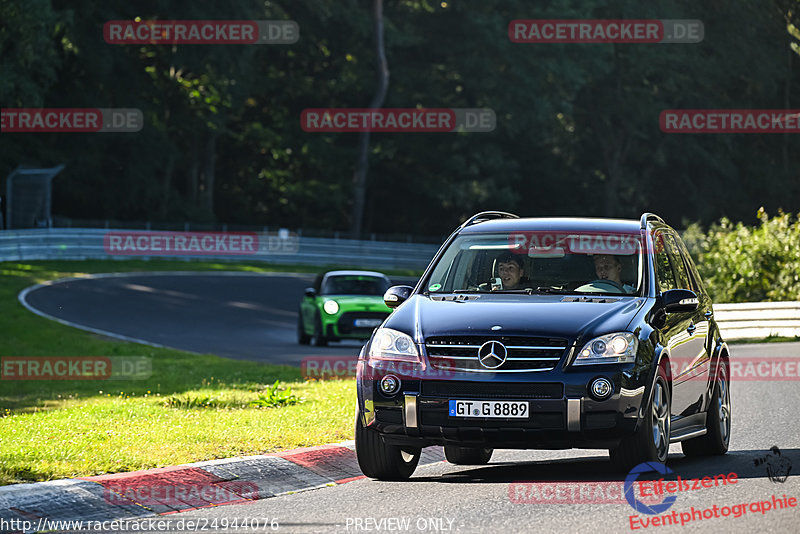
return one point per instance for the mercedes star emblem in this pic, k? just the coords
(492, 354)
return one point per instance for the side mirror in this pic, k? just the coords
(679, 300)
(396, 295)
(310, 292)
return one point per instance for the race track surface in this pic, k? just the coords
(241, 315)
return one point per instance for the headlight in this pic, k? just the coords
(611, 348)
(331, 307)
(388, 344)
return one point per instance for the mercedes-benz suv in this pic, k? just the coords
(546, 333)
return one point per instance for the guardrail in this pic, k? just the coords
(758, 319)
(278, 247)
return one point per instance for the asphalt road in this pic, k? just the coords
(243, 316)
(254, 317)
(479, 499)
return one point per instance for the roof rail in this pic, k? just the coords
(648, 216)
(487, 215)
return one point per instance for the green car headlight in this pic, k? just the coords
(331, 307)
(611, 348)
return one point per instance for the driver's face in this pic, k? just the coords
(510, 273)
(607, 268)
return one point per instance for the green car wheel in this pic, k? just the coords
(302, 337)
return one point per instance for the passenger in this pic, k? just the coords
(511, 271)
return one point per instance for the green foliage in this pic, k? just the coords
(741, 263)
(274, 396)
(577, 124)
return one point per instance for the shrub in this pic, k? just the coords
(749, 264)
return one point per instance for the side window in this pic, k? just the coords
(318, 283)
(694, 276)
(664, 275)
(681, 274)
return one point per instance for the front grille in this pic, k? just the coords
(524, 354)
(346, 323)
(491, 390)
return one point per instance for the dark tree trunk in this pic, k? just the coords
(360, 177)
(209, 160)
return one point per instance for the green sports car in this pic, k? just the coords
(342, 305)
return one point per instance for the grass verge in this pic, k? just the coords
(192, 408)
(768, 339)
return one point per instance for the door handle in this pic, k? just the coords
(691, 329)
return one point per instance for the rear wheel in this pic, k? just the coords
(302, 337)
(651, 442)
(467, 455)
(379, 460)
(718, 421)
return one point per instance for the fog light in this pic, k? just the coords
(390, 385)
(601, 388)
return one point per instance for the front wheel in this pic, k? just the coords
(718, 421)
(379, 460)
(651, 442)
(319, 340)
(467, 455)
(302, 337)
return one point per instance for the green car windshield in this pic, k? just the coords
(354, 285)
(541, 262)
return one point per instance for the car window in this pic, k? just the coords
(557, 261)
(678, 266)
(354, 285)
(665, 277)
(694, 275)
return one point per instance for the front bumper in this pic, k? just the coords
(562, 412)
(343, 325)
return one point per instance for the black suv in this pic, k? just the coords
(548, 333)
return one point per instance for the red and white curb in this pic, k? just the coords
(170, 490)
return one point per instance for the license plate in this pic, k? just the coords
(367, 323)
(491, 409)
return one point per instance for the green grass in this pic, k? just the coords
(769, 339)
(192, 408)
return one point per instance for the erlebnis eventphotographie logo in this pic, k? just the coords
(777, 465)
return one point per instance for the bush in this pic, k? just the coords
(749, 264)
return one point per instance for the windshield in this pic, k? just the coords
(354, 285)
(546, 262)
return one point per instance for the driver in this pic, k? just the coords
(608, 267)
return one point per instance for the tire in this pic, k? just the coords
(302, 337)
(650, 443)
(318, 340)
(381, 461)
(718, 421)
(467, 455)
